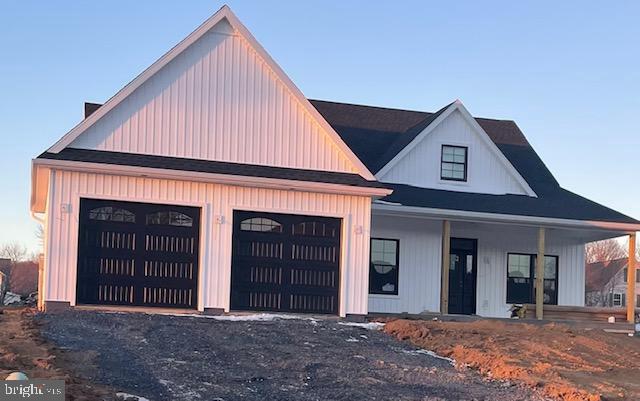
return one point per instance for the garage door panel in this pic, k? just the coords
(285, 262)
(126, 257)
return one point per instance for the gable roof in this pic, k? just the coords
(598, 274)
(374, 133)
(224, 13)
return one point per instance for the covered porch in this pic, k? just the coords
(469, 263)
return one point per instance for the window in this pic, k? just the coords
(618, 300)
(521, 283)
(453, 163)
(626, 277)
(261, 224)
(314, 229)
(383, 271)
(169, 218)
(108, 213)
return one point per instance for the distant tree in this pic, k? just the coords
(14, 251)
(606, 250)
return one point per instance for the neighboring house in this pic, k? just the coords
(24, 278)
(5, 266)
(606, 283)
(210, 182)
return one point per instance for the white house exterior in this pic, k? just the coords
(210, 182)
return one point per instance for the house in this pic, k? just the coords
(606, 283)
(211, 183)
(24, 278)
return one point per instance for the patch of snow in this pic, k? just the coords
(130, 397)
(429, 353)
(255, 317)
(11, 298)
(352, 340)
(368, 326)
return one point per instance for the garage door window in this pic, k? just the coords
(109, 213)
(261, 224)
(169, 218)
(383, 271)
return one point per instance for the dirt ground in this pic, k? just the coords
(198, 358)
(566, 363)
(22, 349)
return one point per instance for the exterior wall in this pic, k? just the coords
(215, 200)
(419, 274)
(421, 166)
(420, 263)
(218, 100)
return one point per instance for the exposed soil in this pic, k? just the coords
(566, 363)
(23, 350)
(196, 358)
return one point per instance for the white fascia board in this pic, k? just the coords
(224, 13)
(238, 180)
(457, 105)
(469, 216)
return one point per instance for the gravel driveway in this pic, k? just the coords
(196, 358)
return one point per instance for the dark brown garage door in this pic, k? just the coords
(137, 254)
(286, 263)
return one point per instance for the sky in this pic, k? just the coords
(567, 72)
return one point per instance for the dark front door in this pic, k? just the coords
(462, 276)
(137, 254)
(285, 262)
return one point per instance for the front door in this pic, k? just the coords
(462, 276)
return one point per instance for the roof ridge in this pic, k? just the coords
(406, 110)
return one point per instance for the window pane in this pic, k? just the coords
(519, 266)
(383, 272)
(169, 218)
(108, 213)
(260, 224)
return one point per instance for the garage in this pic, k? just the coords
(137, 254)
(285, 263)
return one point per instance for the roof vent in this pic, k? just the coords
(90, 108)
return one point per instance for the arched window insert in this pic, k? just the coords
(261, 224)
(109, 213)
(169, 218)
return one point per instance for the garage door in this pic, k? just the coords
(285, 263)
(137, 254)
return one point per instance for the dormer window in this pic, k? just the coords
(453, 163)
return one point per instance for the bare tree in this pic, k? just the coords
(40, 234)
(606, 250)
(14, 251)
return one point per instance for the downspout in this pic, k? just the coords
(41, 257)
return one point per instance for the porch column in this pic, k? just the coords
(446, 256)
(540, 275)
(631, 279)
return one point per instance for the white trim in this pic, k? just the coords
(457, 105)
(462, 215)
(224, 13)
(239, 180)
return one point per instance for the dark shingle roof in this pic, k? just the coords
(206, 166)
(376, 134)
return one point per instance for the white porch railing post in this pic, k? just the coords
(540, 275)
(631, 279)
(446, 257)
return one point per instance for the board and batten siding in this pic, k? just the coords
(215, 201)
(420, 258)
(486, 173)
(217, 100)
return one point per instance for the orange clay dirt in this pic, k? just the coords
(23, 350)
(565, 363)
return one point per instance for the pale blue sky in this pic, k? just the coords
(567, 72)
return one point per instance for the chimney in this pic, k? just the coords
(90, 108)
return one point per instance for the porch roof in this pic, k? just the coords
(558, 204)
